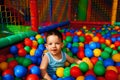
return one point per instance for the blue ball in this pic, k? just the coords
(35, 70)
(69, 78)
(60, 79)
(74, 50)
(20, 71)
(41, 47)
(98, 45)
(69, 45)
(34, 59)
(32, 38)
(7, 77)
(38, 53)
(13, 50)
(54, 77)
(117, 64)
(90, 77)
(108, 62)
(118, 38)
(75, 39)
(86, 45)
(92, 45)
(88, 52)
(113, 39)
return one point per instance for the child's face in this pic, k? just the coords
(54, 44)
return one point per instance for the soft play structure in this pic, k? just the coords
(91, 32)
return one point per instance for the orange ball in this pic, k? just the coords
(3, 66)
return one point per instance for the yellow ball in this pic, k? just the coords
(112, 68)
(32, 51)
(38, 36)
(3, 66)
(81, 44)
(60, 72)
(112, 46)
(116, 57)
(80, 78)
(107, 42)
(87, 60)
(97, 52)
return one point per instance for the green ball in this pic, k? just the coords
(70, 53)
(67, 72)
(40, 40)
(26, 62)
(99, 70)
(10, 59)
(17, 78)
(118, 48)
(82, 39)
(83, 66)
(20, 60)
(69, 39)
(73, 64)
(105, 55)
(27, 49)
(108, 49)
(103, 46)
(114, 52)
(75, 44)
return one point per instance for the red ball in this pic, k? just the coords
(80, 54)
(94, 60)
(8, 71)
(30, 66)
(68, 34)
(102, 40)
(100, 78)
(20, 45)
(22, 52)
(88, 38)
(12, 64)
(32, 77)
(28, 42)
(90, 72)
(9, 55)
(75, 71)
(111, 75)
(118, 69)
(117, 43)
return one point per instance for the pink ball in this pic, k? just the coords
(75, 71)
(111, 75)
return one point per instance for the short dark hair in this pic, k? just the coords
(54, 32)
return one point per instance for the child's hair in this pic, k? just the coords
(54, 32)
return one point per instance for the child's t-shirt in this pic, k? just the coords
(54, 64)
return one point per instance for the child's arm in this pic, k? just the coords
(43, 68)
(72, 60)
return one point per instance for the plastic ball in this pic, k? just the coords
(7, 71)
(111, 75)
(12, 64)
(38, 36)
(69, 39)
(88, 52)
(32, 51)
(82, 39)
(117, 43)
(74, 50)
(13, 50)
(112, 68)
(108, 62)
(8, 77)
(75, 44)
(26, 62)
(108, 49)
(75, 39)
(67, 72)
(99, 70)
(34, 44)
(94, 60)
(92, 45)
(32, 38)
(83, 67)
(90, 77)
(107, 42)
(90, 72)
(3, 66)
(32, 77)
(38, 53)
(22, 52)
(80, 78)
(97, 52)
(95, 39)
(28, 42)
(105, 55)
(27, 48)
(60, 72)
(80, 54)
(60, 79)
(20, 71)
(35, 70)
(20, 45)
(75, 72)
(3, 58)
(69, 45)
(40, 41)
(116, 57)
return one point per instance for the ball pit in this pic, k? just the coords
(99, 51)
